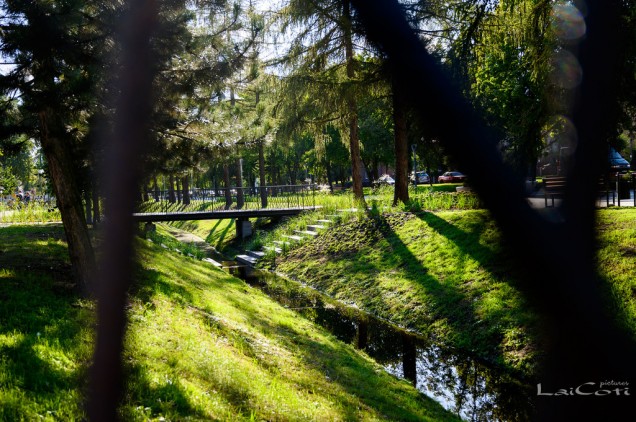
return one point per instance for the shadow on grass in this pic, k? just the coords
(44, 346)
(151, 398)
(216, 238)
(449, 301)
(344, 369)
(468, 242)
(381, 272)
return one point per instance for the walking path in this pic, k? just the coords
(187, 237)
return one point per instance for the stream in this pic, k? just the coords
(462, 384)
(471, 389)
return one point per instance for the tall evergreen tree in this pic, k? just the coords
(53, 45)
(322, 87)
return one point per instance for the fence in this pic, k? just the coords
(244, 198)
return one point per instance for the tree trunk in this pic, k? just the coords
(354, 141)
(261, 173)
(226, 181)
(178, 189)
(329, 175)
(401, 191)
(185, 184)
(156, 189)
(240, 197)
(61, 166)
(171, 196)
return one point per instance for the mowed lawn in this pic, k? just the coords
(445, 274)
(201, 345)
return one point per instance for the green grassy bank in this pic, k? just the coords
(444, 274)
(201, 345)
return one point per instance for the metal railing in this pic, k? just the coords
(234, 198)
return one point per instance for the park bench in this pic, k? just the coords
(554, 186)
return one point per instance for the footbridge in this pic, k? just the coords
(240, 204)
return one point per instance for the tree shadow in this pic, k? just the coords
(415, 294)
(469, 243)
(45, 347)
(211, 236)
(339, 363)
(155, 398)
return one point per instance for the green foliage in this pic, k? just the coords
(510, 76)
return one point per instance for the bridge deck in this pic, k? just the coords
(218, 215)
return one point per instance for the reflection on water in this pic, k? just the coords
(461, 384)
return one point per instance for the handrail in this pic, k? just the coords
(246, 198)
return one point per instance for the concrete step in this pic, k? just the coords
(256, 254)
(348, 210)
(246, 259)
(293, 237)
(276, 250)
(315, 227)
(213, 262)
(280, 243)
(306, 233)
(324, 221)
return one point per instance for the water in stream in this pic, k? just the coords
(471, 389)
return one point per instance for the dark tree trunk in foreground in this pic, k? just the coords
(125, 147)
(67, 194)
(584, 345)
(401, 192)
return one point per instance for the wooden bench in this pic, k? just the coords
(554, 186)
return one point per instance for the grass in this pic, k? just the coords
(201, 345)
(45, 331)
(30, 212)
(445, 275)
(617, 255)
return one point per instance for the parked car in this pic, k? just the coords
(616, 161)
(451, 176)
(422, 177)
(384, 180)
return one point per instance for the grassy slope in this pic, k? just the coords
(45, 334)
(443, 274)
(617, 261)
(201, 345)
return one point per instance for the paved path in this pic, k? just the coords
(187, 237)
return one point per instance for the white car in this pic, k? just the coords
(385, 179)
(422, 177)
